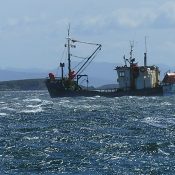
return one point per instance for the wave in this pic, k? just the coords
(157, 122)
(3, 114)
(165, 103)
(32, 100)
(95, 135)
(2, 102)
(37, 110)
(8, 108)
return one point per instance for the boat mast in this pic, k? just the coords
(69, 45)
(131, 60)
(68, 51)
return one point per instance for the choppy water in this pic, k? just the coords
(126, 135)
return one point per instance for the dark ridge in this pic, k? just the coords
(27, 84)
(37, 84)
(108, 86)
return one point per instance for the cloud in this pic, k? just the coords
(22, 26)
(150, 16)
(147, 15)
(133, 18)
(168, 9)
(123, 18)
(162, 16)
(165, 16)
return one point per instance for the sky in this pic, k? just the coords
(33, 32)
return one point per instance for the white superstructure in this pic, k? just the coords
(134, 77)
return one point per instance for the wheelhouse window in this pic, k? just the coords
(121, 74)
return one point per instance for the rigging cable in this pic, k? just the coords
(89, 62)
(80, 63)
(78, 56)
(84, 42)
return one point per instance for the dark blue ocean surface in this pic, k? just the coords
(84, 136)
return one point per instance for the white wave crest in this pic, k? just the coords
(32, 100)
(35, 110)
(2, 102)
(31, 138)
(3, 114)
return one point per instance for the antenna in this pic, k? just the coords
(145, 54)
(68, 29)
(145, 44)
(132, 46)
(125, 60)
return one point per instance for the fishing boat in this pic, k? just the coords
(133, 80)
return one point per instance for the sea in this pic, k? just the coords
(86, 135)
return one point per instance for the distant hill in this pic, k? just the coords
(108, 86)
(29, 84)
(99, 73)
(36, 84)
(17, 74)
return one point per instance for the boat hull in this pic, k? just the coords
(55, 91)
(169, 89)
